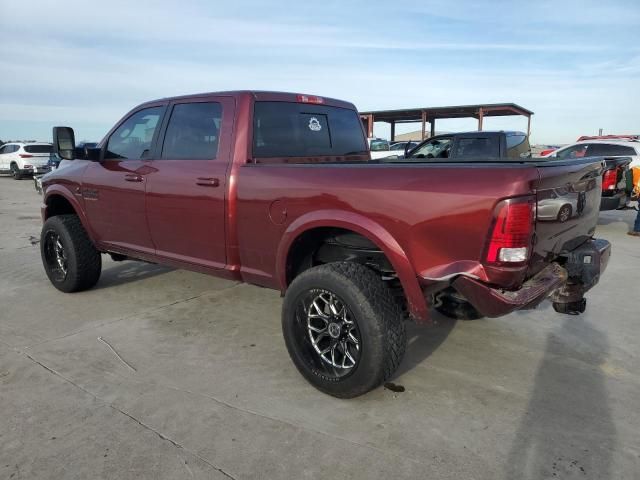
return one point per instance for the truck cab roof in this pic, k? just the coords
(260, 95)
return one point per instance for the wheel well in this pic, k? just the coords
(324, 245)
(58, 205)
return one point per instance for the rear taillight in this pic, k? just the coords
(610, 179)
(25, 155)
(510, 238)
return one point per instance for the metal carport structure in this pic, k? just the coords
(431, 114)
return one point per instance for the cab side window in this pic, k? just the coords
(577, 151)
(193, 132)
(132, 140)
(436, 148)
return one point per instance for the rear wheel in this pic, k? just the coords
(343, 328)
(70, 259)
(15, 172)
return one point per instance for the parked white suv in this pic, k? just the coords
(22, 159)
(600, 148)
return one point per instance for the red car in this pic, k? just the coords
(279, 190)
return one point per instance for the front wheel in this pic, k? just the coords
(70, 259)
(343, 328)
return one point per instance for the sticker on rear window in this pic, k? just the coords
(314, 124)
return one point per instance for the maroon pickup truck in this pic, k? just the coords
(279, 190)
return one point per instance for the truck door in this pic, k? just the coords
(186, 191)
(113, 189)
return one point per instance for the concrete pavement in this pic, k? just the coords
(202, 386)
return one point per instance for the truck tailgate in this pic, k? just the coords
(568, 203)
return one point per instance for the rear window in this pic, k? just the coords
(518, 146)
(38, 148)
(477, 147)
(283, 129)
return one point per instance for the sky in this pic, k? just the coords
(84, 64)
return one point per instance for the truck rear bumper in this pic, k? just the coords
(619, 200)
(580, 271)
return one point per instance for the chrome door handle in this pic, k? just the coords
(208, 181)
(132, 177)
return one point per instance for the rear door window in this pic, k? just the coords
(576, 151)
(284, 129)
(133, 138)
(193, 131)
(473, 147)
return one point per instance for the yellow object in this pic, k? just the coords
(636, 180)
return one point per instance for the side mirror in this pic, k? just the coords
(64, 142)
(407, 149)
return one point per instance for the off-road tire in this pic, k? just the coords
(84, 262)
(15, 172)
(378, 317)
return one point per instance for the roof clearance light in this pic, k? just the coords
(310, 99)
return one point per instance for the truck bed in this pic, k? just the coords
(438, 213)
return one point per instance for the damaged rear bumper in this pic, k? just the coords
(565, 281)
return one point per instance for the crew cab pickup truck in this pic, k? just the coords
(279, 190)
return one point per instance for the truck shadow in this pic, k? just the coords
(422, 341)
(567, 430)
(129, 271)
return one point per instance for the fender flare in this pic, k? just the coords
(57, 189)
(369, 229)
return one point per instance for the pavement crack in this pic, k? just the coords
(172, 442)
(139, 422)
(129, 317)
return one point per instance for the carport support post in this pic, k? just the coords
(424, 120)
(370, 126)
(480, 117)
(528, 126)
(393, 130)
(433, 128)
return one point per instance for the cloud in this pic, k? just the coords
(90, 67)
